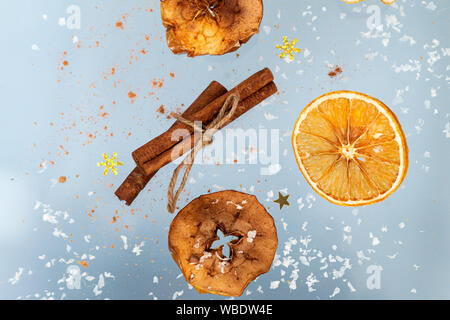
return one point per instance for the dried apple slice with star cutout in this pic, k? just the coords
(194, 232)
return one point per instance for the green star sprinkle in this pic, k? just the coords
(282, 200)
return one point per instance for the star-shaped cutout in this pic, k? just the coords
(225, 242)
(282, 200)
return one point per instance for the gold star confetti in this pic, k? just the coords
(288, 48)
(282, 200)
(110, 164)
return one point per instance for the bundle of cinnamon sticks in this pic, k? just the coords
(164, 149)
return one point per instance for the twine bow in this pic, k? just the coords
(207, 134)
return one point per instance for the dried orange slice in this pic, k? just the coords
(351, 148)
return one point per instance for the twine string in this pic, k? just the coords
(207, 134)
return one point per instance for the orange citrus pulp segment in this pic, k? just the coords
(351, 148)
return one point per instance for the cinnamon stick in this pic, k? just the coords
(136, 181)
(152, 166)
(164, 142)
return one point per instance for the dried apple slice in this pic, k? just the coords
(215, 27)
(194, 230)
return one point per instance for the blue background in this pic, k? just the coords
(50, 110)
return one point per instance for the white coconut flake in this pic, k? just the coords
(375, 241)
(336, 291)
(274, 284)
(100, 285)
(16, 276)
(238, 206)
(269, 116)
(62, 21)
(304, 260)
(137, 248)
(350, 286)
(393, 256)
(251, 235)
(177, 294)
(311, 280)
